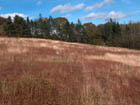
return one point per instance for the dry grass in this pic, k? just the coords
(98, 87)
(28, 90)
(45, 72)
(127, 59)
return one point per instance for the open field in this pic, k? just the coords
(60, 73)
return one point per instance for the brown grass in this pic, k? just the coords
(127, 59)
(45, 72)
(28, 90)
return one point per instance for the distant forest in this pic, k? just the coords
(109, 34)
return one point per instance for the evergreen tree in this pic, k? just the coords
(51, 25)
(66, 31)
(28, 28)
(9, 27)
(78, 31)
(43, 27)
(81, 33)
(72, 33)
(22, 29)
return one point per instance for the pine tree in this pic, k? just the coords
(81, 33)
(51, 25)
(66, 31)
(27, 30)
(78, 31)
(45, 29)
(9, 28)
(72, 32)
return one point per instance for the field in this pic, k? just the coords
(46, 72)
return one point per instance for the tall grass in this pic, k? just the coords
(28, 90)
(98, 87)
(35, 90)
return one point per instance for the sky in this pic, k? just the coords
(96, 11)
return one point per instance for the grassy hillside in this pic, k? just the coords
(46, 72)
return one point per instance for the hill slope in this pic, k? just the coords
(103, 75)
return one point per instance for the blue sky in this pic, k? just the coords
(96, 11)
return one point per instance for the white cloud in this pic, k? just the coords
(112, 15)
(39, 2)
(13, 15)
(99, 5)
(67, 8)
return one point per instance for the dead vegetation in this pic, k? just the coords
(45, 72)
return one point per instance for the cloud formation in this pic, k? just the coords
(12, 15)
(99, 5)
(112, 15)
(67, 8)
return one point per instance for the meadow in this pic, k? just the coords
(46, 72)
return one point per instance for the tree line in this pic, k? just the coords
(109, 34)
